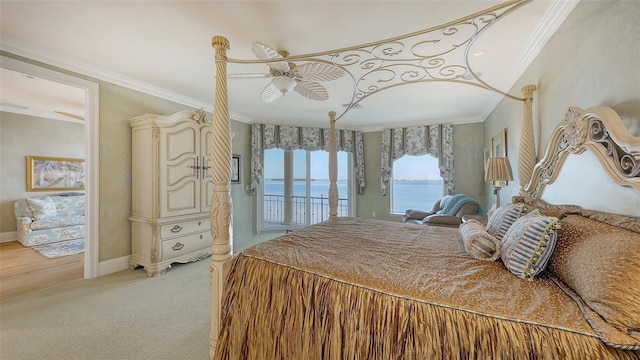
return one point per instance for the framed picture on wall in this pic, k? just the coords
(487, 154)
(235, 169)
(54, 173)
(499, 144)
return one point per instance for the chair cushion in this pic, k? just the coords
(35, 208)
(411, 214)
(59, 221)
(442, 220)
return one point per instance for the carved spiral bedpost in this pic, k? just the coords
(221, 207)
(527, 157)
(333, 167)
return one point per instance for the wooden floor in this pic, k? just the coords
(24, 270)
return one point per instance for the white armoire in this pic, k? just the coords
(171, 190)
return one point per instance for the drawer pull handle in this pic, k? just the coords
(200, 236)
(176, 229)
(178, 246)
(199, 223)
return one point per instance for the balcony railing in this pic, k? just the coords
(319, 208)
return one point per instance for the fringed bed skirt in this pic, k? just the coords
(274, 311)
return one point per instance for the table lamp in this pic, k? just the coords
(499, 173)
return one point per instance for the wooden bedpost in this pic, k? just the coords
(221, 206)
(527, 157)
(333, 167)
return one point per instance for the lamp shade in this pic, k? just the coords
(284, 83)
(498, 169)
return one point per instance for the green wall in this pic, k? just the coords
(592, 60)
(468, 170)
(117, 105)
(23, 135)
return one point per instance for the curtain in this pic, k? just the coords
(435, 140)
(266, 136)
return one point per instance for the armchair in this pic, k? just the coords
(448, 211)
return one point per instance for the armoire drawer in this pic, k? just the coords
(185, 227)
(175, 247)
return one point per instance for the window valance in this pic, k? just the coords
(435, 140)
(267, 136)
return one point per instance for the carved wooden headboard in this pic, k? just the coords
(582, 181)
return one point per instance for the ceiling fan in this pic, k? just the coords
(287, 76)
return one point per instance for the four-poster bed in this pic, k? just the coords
(323, 297)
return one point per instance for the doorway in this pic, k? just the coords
(91, 141)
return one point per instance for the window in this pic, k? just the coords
(295, 190)
(416, 183)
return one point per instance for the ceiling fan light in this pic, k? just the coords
(284, 83)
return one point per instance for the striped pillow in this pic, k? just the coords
(502, 218)
(528, 245)
(477, 241)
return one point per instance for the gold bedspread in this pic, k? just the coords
(366, 289)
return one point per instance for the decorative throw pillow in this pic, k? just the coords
(601, 263)
(477, 241)
(41, 208)
(528, 245)
(503, 217)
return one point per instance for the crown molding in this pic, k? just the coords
(555, 15)
(50, 58)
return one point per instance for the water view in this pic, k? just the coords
(415, 194)
(407, 194)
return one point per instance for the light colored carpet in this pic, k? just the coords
(121, 316)
(60, 248)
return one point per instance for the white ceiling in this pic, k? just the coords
(164, 48)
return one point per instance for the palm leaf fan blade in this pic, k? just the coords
(262, 51)
(312, 90)
(319, 72)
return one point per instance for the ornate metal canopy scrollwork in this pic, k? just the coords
(436, 54)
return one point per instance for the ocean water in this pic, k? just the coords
(318, 188)
(415, 194)
(407, 194)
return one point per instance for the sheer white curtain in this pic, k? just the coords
(435, 140)
(266, 136)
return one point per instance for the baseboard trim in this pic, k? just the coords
(113, 265)
(8, 236)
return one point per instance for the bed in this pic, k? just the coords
(368, 289)
(365, 289)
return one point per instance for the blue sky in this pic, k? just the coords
(406, 168)
(319, 164)
(416, 168)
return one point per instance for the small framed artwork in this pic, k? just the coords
(235, 169)
(54, 173)
(487, 154)
(499, 144)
